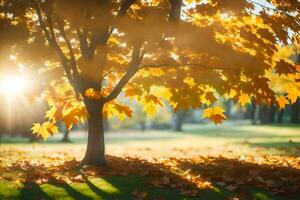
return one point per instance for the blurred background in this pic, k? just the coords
(249, 130)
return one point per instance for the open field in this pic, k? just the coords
(203, 162)
(197, 140)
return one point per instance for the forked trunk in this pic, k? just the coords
(95, 151)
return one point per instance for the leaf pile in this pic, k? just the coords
(280, 175)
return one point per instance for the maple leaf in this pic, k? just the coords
(293, 95)
(124, 109)
(156, 72)
(282, 102)
(44, 130)
(190, 81)
(130, 92)
(283, 67)
(150, 109)
(210, 97)
(244, 99)
(71, 119)
(91, 93)
(215, 114)
(161, 92)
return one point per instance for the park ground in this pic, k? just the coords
(232, 161)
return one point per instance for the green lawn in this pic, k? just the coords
(230, 142)
(119, 187)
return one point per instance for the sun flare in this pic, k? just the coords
(14, 85)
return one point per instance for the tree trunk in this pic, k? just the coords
(142, 126)
(106, 125)
(280, 116)
(179, 119)
(253, 111)
(178, 126)
(295, 112)
(264, 114)
(272, 112)
(66, 136)
(95, 151)
(33, 138)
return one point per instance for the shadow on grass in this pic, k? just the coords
(71, 191)
(271, 175)
(170, 178)
(33, 191)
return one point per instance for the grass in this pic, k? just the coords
(226, 140)
(119, 188)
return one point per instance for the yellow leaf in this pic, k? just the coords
(293, 95)
(190, 81)
(44, 130)
(156, 72)
(230, 95)
(282, 101)
(215, 114)
(149, 108)
(89, 92)
(161, 92)
(92, 94)
(244, 99)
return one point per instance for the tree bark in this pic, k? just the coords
(179, 119)
(280, 116)
(66, 136)
(272, 112)
(264, 114)
(253, 111)
(95, 151)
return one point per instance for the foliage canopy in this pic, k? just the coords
(185, 53)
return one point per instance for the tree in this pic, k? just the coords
(66, 136)
(186, 53)
(179, 119)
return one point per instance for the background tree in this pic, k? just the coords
(186, 53)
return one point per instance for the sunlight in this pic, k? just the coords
(225, 15)
(14, 85)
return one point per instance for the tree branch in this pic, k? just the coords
(102, 37)
(136, 59)
(175, 10)
(263, 6)
(82, 37)
(125, 6)
(98, 38)
(42, 24)
(185, 65)
(64, 35)
(269, 8)
(50, 36)
(55, 45)
(106, 74)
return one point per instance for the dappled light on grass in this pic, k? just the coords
(277, 174)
